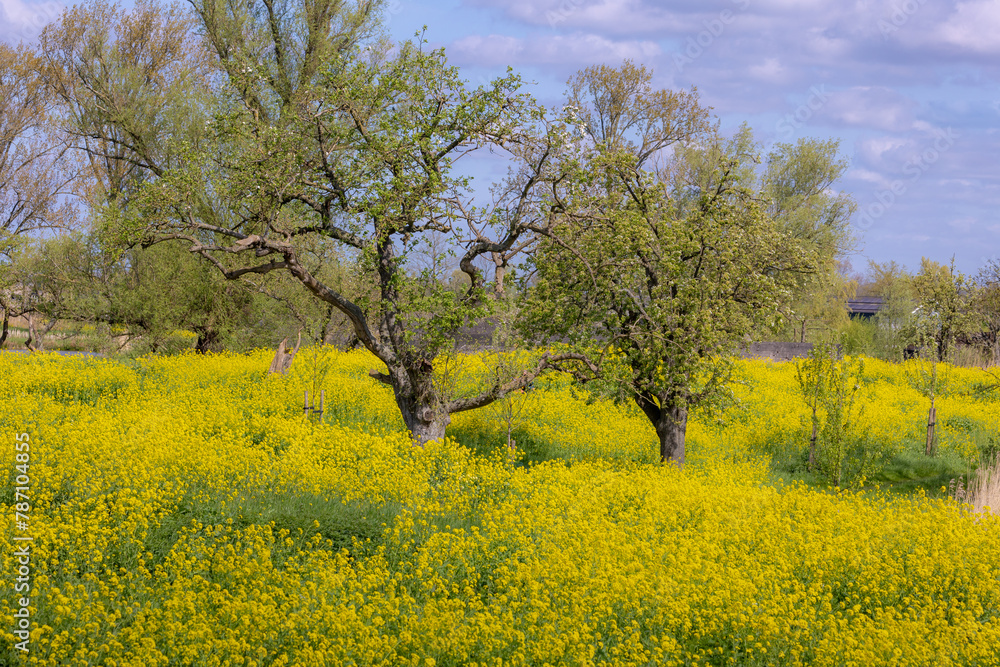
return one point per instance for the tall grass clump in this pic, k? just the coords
(984, 492)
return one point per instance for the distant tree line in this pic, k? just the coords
(937, 312)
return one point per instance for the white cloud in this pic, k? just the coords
(974, 26)
(607, 16)
(576, 49)
(871, 106)
(490, 50)
(771, 71)
(885, 154)
(867, 175)
(908, 236)
(964, 224)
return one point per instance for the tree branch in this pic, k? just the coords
(548, 361)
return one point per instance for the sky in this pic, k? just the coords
(910, 88)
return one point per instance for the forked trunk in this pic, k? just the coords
(36, 338)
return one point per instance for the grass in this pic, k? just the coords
(911, 471)
(344, 524)
(908, 472)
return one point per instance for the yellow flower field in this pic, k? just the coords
(185, 511)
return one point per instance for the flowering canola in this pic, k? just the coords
(186, 512)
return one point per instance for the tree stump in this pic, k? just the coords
(283, 357)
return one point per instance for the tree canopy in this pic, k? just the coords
(658, 275)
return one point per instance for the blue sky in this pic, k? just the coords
(911, 88)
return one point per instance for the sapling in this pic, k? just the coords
(813, 374)
(508, 363)
(924, 374)
(838, 434)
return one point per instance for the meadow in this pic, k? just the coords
(184, 510)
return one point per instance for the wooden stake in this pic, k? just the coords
(931, 421)
(812, 444)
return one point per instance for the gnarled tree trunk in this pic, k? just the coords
(422, 410)
(36, 338)
(424, 422)
(669, 418)
(283, 357)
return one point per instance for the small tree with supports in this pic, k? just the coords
(926, 374)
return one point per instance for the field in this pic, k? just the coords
(185, 511)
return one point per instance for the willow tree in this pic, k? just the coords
(34, 179)
(798, 185)
(316, 134)
(657, 276)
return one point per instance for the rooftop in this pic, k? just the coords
(864, 305)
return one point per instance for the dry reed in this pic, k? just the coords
(983, 491)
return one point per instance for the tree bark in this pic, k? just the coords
(670, 422)
(426, 417)
(6, 327)
(330, 328)
(283, 357)
(425, 421)
(672, 429)
(426, 431)
(29, 343)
